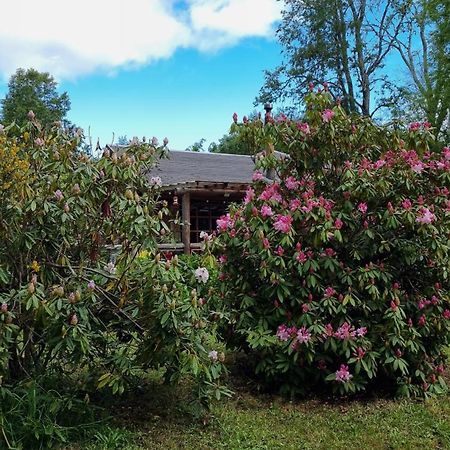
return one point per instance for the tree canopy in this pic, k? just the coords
(30, 90)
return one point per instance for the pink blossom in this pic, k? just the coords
(294, 204)
(418, 167)
(327, 115)
(266, 243)
(271, 193)
(343, 375)
(257, 176)
(291, 183)
(380, 163)
(361, 332)
(446, 314)
(415, 126)
(328, 330)
(362, 207)
(223, 259)
(283, 223)
(338, 224)
(301, 257)
(446, 152)
(426, 216)
(304, 128)
(280, 251)
(329, 292)
(329, 252)
(407, 204)
(303, 335)
(91, 285)
(360, 353)
(345, 332)
(305, 308)
(249, 195)
(225, 222)
(422, 320)
(266, 211)
(282, 333)
(213, 356)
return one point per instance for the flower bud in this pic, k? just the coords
(31, 289)
(164, 288)
(66, 208)
(73, 320)
(31, 115)
(4, 308)
(129, 194)
(76, 189)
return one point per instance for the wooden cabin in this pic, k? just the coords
(200, 186)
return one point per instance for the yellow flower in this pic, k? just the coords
(35, 266)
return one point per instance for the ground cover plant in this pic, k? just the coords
(87, 302)
(336, 263)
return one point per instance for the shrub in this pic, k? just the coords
(78, 303)
(337, 269)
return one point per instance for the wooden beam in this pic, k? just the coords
(186, 217)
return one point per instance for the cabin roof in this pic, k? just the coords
(183, 168)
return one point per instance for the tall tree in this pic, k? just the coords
(344, 42)
(30, 90)
(424, 47)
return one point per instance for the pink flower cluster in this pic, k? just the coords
(271, 192)
(225, 222)
(343, 375)
(302, 335)
(266, 211)
(283, 223)
(249, 195)
(425, 216)
(327, 115)
(424, 302)
(345, 332)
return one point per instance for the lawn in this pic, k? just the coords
(155, 418)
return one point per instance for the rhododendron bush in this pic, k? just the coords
(78, 300)
(337, 264)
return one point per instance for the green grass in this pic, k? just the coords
(157, 420)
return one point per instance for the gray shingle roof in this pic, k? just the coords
(187, 167)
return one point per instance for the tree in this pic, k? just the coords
(342, 41)
(424, 49)
(30, 90)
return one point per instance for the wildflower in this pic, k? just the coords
(266, 211)
(343, 375)
(156, 181)
(213, 356)
(91, 285)
(303, 335)
(426, 216)
(58, 195)
(283, 223)
(362, 207)
(327, 115)
(202, 274)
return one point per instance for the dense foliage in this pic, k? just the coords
(30, 90)
(85, 296)
(337, 266)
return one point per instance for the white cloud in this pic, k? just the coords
(83, 36)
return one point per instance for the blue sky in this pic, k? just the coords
(175, 68)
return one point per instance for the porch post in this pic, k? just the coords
(186, 218)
